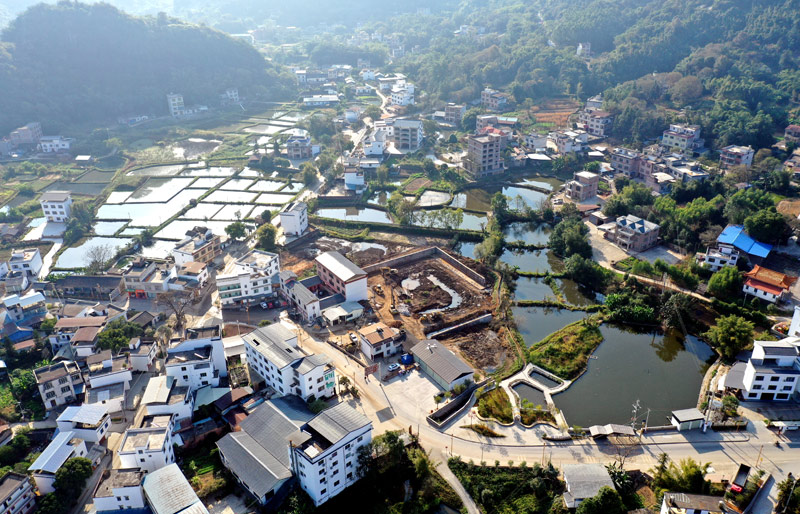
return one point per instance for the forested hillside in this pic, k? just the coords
(731, 65)
(77, 62)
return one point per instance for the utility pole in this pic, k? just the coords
(636, 407)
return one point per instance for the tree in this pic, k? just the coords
(23, 383)
(236, 230)
(767, 224)
(72, 475)
(686, 90)
(677, 306)
(730, 335)
(373, 112)
(569, 238)
(265, 236)
(587, 272)
(97, 258)
(309, 173)
(118, 334)
(176, 302)
(788, 496)
(726, 283)
(382, 174)
(51, 503)
(469, 120)
(607, 501)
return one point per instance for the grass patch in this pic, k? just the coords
(8, 406)
(509, 489)
(483, 430)
(496, 405)
(566, 352)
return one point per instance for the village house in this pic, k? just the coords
(536, 141)
(402, 94)
(29, 134)
(493, 100)
(453, 113)
(734, 155)
(89, 422)
(119, 489)
(55, 144)
(717, 258)
(16, 494)
(631, 233)
(148, 448)
(29, 309)
(107, 369)
(64, 446)
(583, 186)
(253, 279)
(28, 261)
(771, 373)
(145, 278)
(596, 122)
(320, 100)
(734, 237)
(281, 438)
(164, 397)
(59, 383)
(85, 328)
(685, 138)
(441, 365)
(493, 120)
(56, 205)
(378, 341)
(142, 354)
(484, 157)
(167, 491)
(584, 481)
(342, 276)
(294, 218)
(193, 367)
(404, 134)
(199, 245)
(299, 146)
(273, 354)
(792, 134)
(568, 141)
(767, 284)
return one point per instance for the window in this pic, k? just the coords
(772, 388)
(360, 438)
(757, 387)
(323, 491)
(752, 395)
(786, 388)
(774, 379)
(319, 380)
(323, 480)
(335, 483)
(759, 378)
(789, 379)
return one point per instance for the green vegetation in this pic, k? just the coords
(45, 72)
(70, 481)
(265, 236)
(730, 335)
(788, 496)
(687, 476)
(117, 335)
(507, 490)
(482, 429)
(496, 405)
(629, 306)
(726, 283)
(566, 352)
(531, 414)
(236, 230)
(607, 501)
(569, 238)
(204, 470)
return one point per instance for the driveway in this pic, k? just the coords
(411, 393)
(603, 250)
(660, 252)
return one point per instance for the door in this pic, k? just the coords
(767, 397)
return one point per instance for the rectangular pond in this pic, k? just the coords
(157, 171)
(205, 183)
(202, 211)
(355, 214)
(273, 198)
(209, 172)
(78, 257)
(237, 184)
(220, 196)
(662, 371)
(267, 186)
(233, 212)
(531, 288)
(530, 393)
(177, 229)
(533, 260)
(107, 228)
(466, 248)
(157, 190)
(79, 188)
(294, 187)
(528, 232)
(148, 214)
(536, 323)
(118, 196)
(265, 129)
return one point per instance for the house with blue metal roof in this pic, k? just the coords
(734, 236)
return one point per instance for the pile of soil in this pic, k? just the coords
(484, 348)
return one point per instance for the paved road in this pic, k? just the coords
(47, 260)
(725, 451)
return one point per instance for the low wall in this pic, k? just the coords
(442, 417)
(422, 253)
(484, 318)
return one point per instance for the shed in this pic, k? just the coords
(442, 365)
(687, 419)
(584, 481)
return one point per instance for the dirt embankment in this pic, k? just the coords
(484, 348)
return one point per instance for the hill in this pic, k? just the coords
(73, 61)
(728, 65)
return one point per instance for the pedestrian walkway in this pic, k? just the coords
(440, 458)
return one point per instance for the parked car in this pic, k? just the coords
(264, 305)
(353, 337)
(393, 367)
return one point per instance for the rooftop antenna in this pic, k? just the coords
(430, 347)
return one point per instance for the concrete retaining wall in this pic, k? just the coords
(422, 253)
(484, 318)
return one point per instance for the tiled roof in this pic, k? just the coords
(771, 277)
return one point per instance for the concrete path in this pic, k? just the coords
(441, 459)
(47, 260)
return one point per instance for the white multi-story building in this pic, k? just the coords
(342, 276)
(119, 489)
(734, 155)
(321, 451)
(404, 134)
(167, 491)
(353, 178)
(596, 122)
(55, 144)
(327, 461)
(685, 138)
(16, 494)
(773, 370)
(163, 396)
(273, 354)
(375, 143)
(252, 279)
(175, 104)
(536, 141)
(367, 74)
(294, 218)
(64, 446)
(192, 368)
(23, 309)
(142, 354)
(28, 261)
(148, 448)
(105, 370)
(59, 383)
(402, 94)
(717, 258)
(568, 141)
(199, 245)
(56, 205)
(89, 422)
